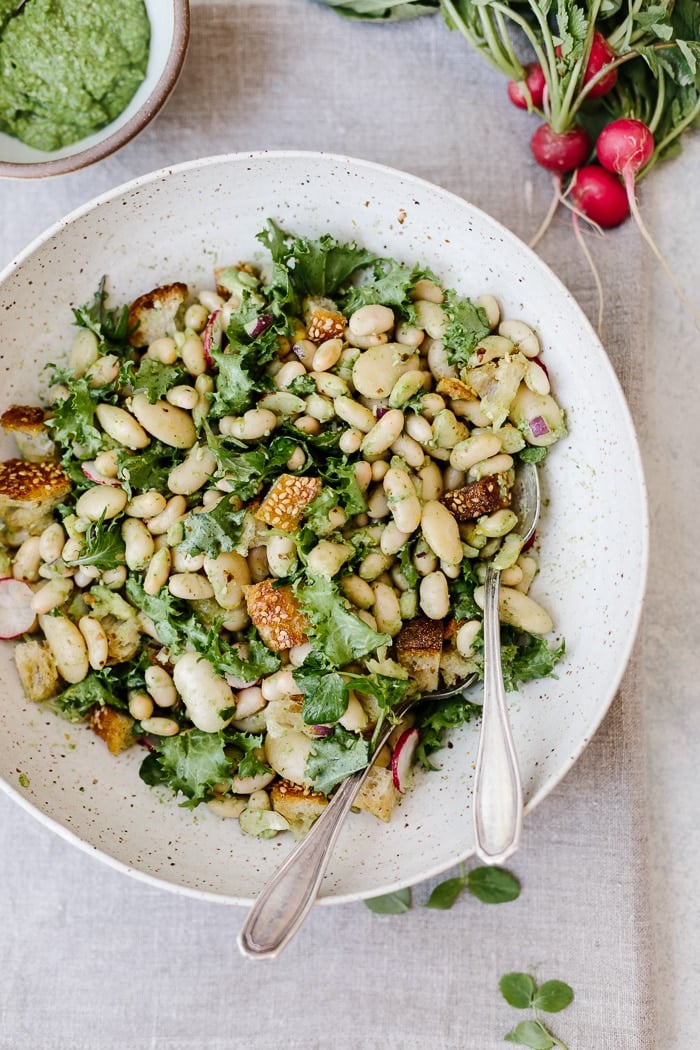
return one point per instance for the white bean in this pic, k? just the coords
(434, 596)
(67, 646)
(447, 429)
(101, 501)
(350, 440)
(138, 544)
(121, 426)
(373, 319)
(163, 350)
(106, 463)
(522, 335)
(160, 726)
(403, 500)
(409, 450)
(193, 357)
(183, 396)
(288, 754)
(386, 609)
(172, 512)
(254, 424)
(330, 385)
(51, 595)
(103, 371)
(519, 610)
(145, 504)
(466, 635)
(207, 696)
(288, 373)
(173, 426)
(473, 450)
(431, 482)
(160, 686)
(383, 434)
(249, 701)
(327, 355)
(489, 304)
(190, 586)
(279, 686)
(439, 363)
(493, 465)
(358, 591)
(441, 532)
(27, 559)
(157, 572)
(228, 574)
(281, 555)
(354, 414)
(376, 370)
(140, 704)
(83, 353)
(195, 470)
(327, 557)
(52, 542)
(407, 386)
(95, 640)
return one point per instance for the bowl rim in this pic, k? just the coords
(161, 882)
(144, 115)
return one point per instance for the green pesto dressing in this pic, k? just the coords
(69, 67)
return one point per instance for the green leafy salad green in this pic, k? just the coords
(275, 506)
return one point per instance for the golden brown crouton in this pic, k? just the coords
(378, 795)
(277, 615)
(114, 727)
(36, 668)
(455, 389)
(288, 498)
(153, 315)
(27, 424)
(323, 321)
(418, 648)
(299, 805)
(28, 494)
(480, 497)
(455, 668)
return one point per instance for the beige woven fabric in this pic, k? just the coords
(92, 960)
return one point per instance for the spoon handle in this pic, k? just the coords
(285, 901)
(498, 796)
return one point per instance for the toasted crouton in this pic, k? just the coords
(455, 389)
(299, 805)
(153, 315)
(378, 794)
(480, 497)
(114, 727)
(36, 668)
(455, 668)
(27, 424)
(323, 320)
(288, 498)
(29, 492)
(418, 648)
(277, 615)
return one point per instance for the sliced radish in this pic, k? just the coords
(90, 471)
(211, 336)
(402, 758)
(16, 613)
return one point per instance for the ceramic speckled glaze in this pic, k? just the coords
(178, 224)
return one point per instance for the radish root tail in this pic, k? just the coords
(593, 268)
(636, 215)
(551, 211)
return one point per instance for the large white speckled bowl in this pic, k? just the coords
(178, 224)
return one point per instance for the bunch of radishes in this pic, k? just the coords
(604, 191)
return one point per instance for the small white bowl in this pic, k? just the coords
(170, 27)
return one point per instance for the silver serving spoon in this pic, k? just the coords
(287, 898)
(498, 793)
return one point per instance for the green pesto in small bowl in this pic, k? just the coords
(68, 68)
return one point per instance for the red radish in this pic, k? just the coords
(16, 613)
(402, 758)
(90, 471)
(211, 336)
(560, 152)
(600, 55)
(534, 83)
(624, 146)
(600, 196)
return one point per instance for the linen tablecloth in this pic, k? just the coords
(94, 960)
